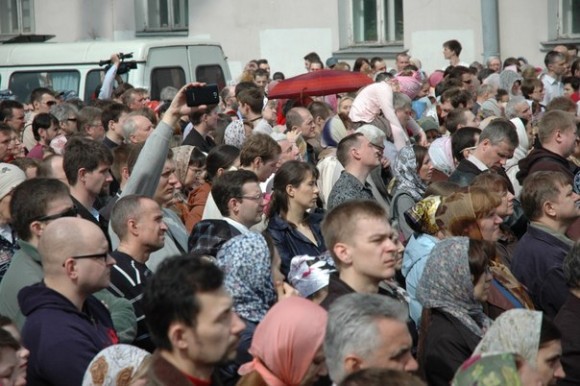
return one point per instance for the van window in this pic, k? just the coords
(211, 74)
(22, 83)
(166, 76)
(95, 78)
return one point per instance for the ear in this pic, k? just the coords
(36, 228)
(355, 153)
(177, 334)
(290, 190)
(233, 206)
(219, 172)
(81, 173)
(125, 173)
(341, 251)
(548, 208)
(352, 363)
(257, 163)
(132, 227)
(111, 125)
(70, 268)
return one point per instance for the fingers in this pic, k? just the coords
(285, 290)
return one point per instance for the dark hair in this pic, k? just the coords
(463, 139)
(25, 163)
(552, 56)
(120, 159)
(197, 158)
(7, 340)
(528, 86)
(5, 321)
(85, 153)
(454, 46)
(481, 252)
(319, 109)
(420, 153)
(171, 295)
(312, 57)
(358, 64)
(538, 188)
(43, 121)
(511, 61)
(112, 112)
(253, 97)
(456, 96)
(548, 331)
(220, 157)
(230, 185)
(261, 72)
(290, 173)
(345, 145)
(381, 377)
(455, 118)
(37, 93)
(259, 145)
(278, 76)
(243, 86)
(31, 199)
(492, 181)
(6, 107)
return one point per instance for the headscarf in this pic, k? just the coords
(492, 369)
(446, 285)
(309, 274)
(235, 134)
(523, 145)
(181, 157)
(421, 217)
(456, 208)
(507, 78)
(491, 108)
(286, 341)
(441, 155)
(516, 331)
(333, 131)
(247, 266)
(410, 84)
(405, 171)
(492, 80)
(10, 177)
(114, 366)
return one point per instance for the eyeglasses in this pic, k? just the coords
(71, 119)
(70, 212)
(259, 197)
(103, 256)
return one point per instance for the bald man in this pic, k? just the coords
(66, 325)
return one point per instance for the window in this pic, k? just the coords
(569, 19)
(22, 83)
(376, 22)
(210, 74)
(162, 15)
(93, 79)
(16, 17)
(166, 76)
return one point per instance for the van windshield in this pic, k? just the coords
(23, 82)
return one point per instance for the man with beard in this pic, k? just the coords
(138, 221)
(191, 321)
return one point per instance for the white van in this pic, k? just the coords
(75, 66)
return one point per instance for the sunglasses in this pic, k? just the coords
(70, 212)
(103, 256)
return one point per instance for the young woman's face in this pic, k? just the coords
(426, 169)
(306, 194)
(489, 226)
(481, 288)
(548, 362)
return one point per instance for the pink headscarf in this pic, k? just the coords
(410, 85)
(286, 341)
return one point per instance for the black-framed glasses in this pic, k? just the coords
(103, 256)
(70, 212)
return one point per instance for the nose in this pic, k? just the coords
(23, 353)
(111, 260)
(173, 180)
(498, 220)
(559, 373)
(316, 189)
(163, 226)
(109, 177)
(411, 365)
(238, 325)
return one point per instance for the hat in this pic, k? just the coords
(309, 274)
(428, 123)
(10, 177)
(375, 135)
(410, 84)
(331, 62)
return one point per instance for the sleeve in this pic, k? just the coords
(196, 213)
(122, 314)
(443, 360)
(553, 292)
(147, 170)
(107, 87)
(385, 101)
(283, 249)
(404, 203)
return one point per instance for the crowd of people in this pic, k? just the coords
(418, 231)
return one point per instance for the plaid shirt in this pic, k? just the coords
(208, 236)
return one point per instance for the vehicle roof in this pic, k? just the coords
(87, 52)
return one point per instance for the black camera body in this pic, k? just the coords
(124, 66)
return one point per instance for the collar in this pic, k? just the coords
(30, 250)
(474, 160)
(563, 238)
(355, 181)
(241, 227)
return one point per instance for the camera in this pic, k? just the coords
(124, 66)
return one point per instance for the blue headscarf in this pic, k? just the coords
(247, 266)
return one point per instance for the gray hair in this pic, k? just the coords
(500, 130)
(352, 328)
(168, 93)
(401, 101)
(130, 124)
(63, 111)
(125, 208)
(278, 137)
(510, 109)
(488, 61)
(571, 267)
(485, 89)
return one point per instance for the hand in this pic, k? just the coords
(423, 139)
(179, 106)
(293, 135)
(385, 162)
(285, 290)
(115, 60)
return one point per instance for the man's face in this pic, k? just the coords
(17, 120)
(395, 351)
(290, 152)
(211, 119)
(379, 66)
(496, 155)
(494, 64)
(447, 53)
(167, 185)
(45, 103)
(402, 62)
(150, 225)
(266, 169)
(143, 130)
(404, 115)
(568, 138)
(95, 273)
(446, 107)
(467, 80)
(371, 251)
(261, 81)
(307, 128)
(5, 144)
(369, 154)
(264, 66)
(251, 205)
(523, 111)
(559, 67)
(69, 125)
(315, 66)
(565, 206)
(50, 133)
(215, 338)
(95, 129)
(139, 101)
(96, 179)
(470, 119)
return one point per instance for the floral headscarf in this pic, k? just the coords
(446, 285)
(247, 266)
(114, 366)
(492, 369)
(181, 157)
(235, 134)
(405, 171)
(457, 208)
(309, 274)
(286, 341)
(410, 84)
(421, 217)
(516, 331)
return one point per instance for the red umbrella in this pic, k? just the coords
(316, 83)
